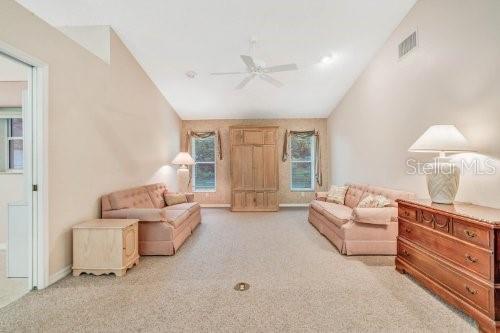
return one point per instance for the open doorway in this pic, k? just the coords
(16, 238)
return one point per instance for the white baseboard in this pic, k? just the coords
(229, 205)
(215, 205)
(59, 275)
(294, 205)
(3, 246)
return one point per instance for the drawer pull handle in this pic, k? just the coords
(405, 253)
(407, 230)
(470, 258)
(470, 290)
(470, 234)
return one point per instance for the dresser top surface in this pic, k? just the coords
(467, 210)
(106, 224)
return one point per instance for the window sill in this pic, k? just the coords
(302, 190)
(11, 172)
(204, 191)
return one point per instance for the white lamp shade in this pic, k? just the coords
(441, 138)
(183, 158)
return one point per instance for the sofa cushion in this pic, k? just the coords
(337, 194)
(191, 206)
(156, 194)
(354, 194)
(176, 218)
(118, 201)
(134, 198)
(335, 213)
(384, 215)
(391, 194)
(174, 198)
(374, 201)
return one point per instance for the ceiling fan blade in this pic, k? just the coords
(245, 82)
(271, 80)
(249, 62)
(228, 73)
(281, 68)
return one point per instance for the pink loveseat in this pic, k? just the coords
(356, 231)
(162, 229)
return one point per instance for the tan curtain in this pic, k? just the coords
(203, 135)
(318, 175)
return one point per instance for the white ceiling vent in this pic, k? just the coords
(408, 44)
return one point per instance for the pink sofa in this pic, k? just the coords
(162, 229)
(354, 230)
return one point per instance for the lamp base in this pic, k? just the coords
(183, 179)
(442, 181)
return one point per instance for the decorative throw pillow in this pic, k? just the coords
(374, 201)
(174, 198)
(337, 194)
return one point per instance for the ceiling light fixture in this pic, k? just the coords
(191, 74)
(329, 59)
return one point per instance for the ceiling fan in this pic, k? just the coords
(254, 69)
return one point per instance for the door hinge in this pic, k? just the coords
(35, 187)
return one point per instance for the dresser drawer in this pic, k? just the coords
(467, 256)
(474, 292)
(407, 212)
(471, 233)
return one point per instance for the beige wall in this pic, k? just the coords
(286, 196)
(109, 126)
(453, 77)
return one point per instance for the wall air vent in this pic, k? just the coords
(408, 44)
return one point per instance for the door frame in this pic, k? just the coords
(39, 266)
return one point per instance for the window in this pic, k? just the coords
(302, 163)
(12, 136)
(204, 167)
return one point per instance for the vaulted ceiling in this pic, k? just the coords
(171, 37)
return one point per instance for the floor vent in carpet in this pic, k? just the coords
(241, 286)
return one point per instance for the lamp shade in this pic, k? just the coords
(183, 158)
(441, 138)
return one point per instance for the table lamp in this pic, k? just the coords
(183, 159)
(443, 177)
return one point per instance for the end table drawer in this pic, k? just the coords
(406, 212)
(470, 233)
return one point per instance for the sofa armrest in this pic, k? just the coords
(189, 197)
(321, 196)
(383, 215)
(143, 214)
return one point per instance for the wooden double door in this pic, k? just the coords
(254, 169)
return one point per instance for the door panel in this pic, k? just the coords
(237, 137)
(258, 166)
(241, 167)
(253, 137)
(260, 200)
(270, 180)
(249, 200)
(269, 137)
(238, 200)
(272, 200)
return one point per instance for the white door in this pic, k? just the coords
(18, 249)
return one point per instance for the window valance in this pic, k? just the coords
(203, 135)
(318, 175)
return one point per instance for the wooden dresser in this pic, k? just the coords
(254, 168)
(454, 251)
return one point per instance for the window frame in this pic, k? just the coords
(312, 161)
(10, 138)
(193, 181)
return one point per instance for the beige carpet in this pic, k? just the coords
(299, 282)
(10, 288)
